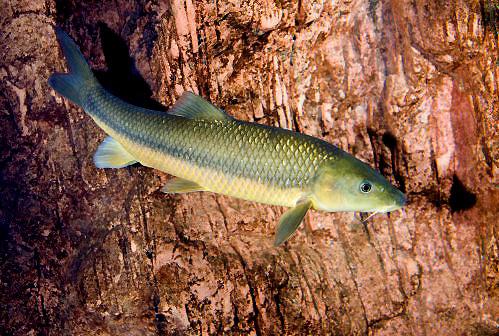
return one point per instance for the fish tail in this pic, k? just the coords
(71, 85)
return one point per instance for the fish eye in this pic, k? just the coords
(365, 187)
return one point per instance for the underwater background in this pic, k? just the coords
(410, 87)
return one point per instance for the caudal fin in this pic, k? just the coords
(70, 84)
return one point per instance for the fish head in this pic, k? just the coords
(348, 184)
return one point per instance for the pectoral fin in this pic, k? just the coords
(290, 221)
(111, 154)
(178, 185)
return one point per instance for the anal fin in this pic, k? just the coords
(179, 185)
(290, 221)
(111, 154)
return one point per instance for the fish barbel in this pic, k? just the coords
(208, 150)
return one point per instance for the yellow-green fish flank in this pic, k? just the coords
(231, 157)
(207, 150)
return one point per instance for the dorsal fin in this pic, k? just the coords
(192, 106)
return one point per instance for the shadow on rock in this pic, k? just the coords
(122, 77)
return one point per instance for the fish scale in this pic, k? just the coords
(231, 157)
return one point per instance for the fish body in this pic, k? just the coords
(232, 157)
(207, 150)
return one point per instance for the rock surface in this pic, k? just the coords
(409, 86)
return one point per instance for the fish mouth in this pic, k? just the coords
(400, 200)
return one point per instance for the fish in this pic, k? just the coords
(205, 149)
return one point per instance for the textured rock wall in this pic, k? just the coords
(409, 86)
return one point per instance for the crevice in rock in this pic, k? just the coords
(251, 287)
(461, 198)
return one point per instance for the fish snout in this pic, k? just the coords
(401, 199)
